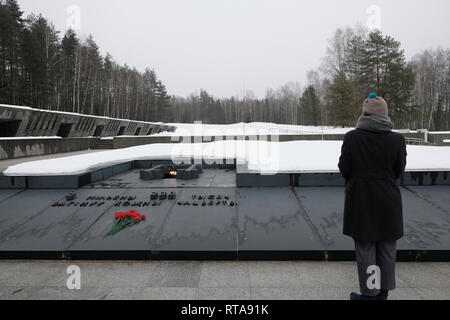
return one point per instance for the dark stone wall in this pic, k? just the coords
(27, 122)
(18, 148)
(79, 131)
(438, 138)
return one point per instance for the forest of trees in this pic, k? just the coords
(42, 69)
(356, 63)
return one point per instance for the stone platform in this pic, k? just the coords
(211, 218)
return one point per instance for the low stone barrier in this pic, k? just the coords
(19, 148)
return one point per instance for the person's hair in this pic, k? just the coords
(366, 114)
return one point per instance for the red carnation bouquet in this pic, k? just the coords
(124, 220)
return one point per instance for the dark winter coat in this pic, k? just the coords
(371, 162)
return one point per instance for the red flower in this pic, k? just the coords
(135, 217)
(119, 215)
(125, 219)
(132, 214)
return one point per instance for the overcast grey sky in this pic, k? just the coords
(226, 46)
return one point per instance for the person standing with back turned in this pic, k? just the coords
(372, 159)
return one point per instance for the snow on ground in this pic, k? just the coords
(254, 128)
(260, 128)
(262, 156)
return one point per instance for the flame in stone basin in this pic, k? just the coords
(173, 173)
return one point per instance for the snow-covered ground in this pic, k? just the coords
(259, 128)
(254, 128)
(262, 156)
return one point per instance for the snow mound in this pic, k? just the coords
(254, 128)
(260, 156)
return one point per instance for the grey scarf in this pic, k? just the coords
(375, 123)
